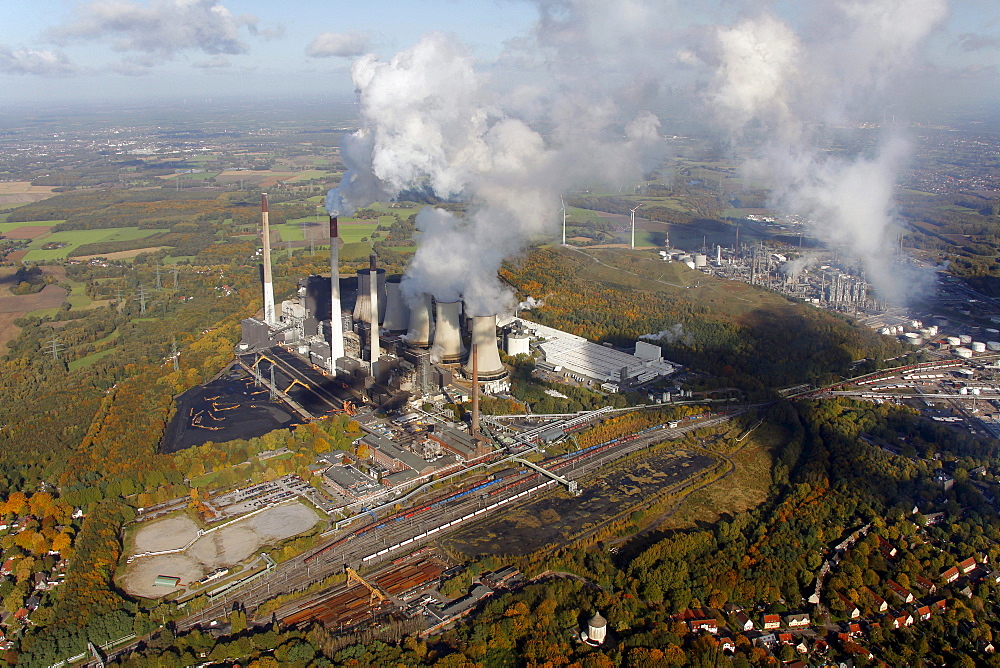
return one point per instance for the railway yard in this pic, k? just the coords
(377, 543)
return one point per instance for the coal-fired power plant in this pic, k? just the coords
(269, 315)
(421, 320)
(397, 316)
(484, 340)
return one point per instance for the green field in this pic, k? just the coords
(75, 238)
(350, 232)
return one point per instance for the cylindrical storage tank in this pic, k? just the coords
(993, 345)
(689, 263)
(978, 347)
(518, 344)
(954, 341)
(700, 260)
(362, 307)
(965, 339)
(419, 334)
(964, 353)
(963, 390)
(993, 333)
(886, 331)
(933, 329)
(397, 314)
(914, 339)
(484, 337)
(916, 324)
(448, 348)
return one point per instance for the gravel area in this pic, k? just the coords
(225, 547)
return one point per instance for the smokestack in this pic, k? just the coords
(475, 390)
(484, 337)
(397, 315)
(269, 316)
(448, 333)
(336, 324)
(419, 334)
(373, 314)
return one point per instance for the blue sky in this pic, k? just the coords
(95, 50)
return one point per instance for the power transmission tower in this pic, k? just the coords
(142, 299)
(274, 392)
(176, 355)
(175, 277)
(55, 347)
(158, 285)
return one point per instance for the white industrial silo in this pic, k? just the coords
(484, 336)
(965, 339)
(993, 345)
(397, 314)
(964, 353)
(700, 261)
(448, 333)
(978, 347)
(954, 341)
(597, 629)
(518, 344)
(419, 333)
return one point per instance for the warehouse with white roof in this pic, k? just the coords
(596, 362)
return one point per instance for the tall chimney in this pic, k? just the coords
(448, 333)
(269, 316)
(373, 316)
(484, 337)
(475, 390)
(336, 323)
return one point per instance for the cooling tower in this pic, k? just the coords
(397, 315)
(448, 333)
(484, 337)
(419, 334)
(269, 314)
(362, 307)
(336, 326)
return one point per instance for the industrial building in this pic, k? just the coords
(606, 366)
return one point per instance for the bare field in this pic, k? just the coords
(22, 192)
(51, 296)
(120, 255)
(226, 547)
(8, 330)
(27, 232)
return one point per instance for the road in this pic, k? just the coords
(295, 574)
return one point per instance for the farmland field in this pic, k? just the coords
(76, 238)
(22, 192)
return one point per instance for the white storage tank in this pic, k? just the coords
(913, 338)
(964, 353)
(954, 341)
(886, 331)
(978, 347)
(518, 344)
(994, 334)
(993, 345)
(700, 261)
(690, 264)
(965, 339)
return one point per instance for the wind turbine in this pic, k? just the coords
(564, 218)
(633, 224)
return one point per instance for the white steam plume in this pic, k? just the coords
(768, 80)
(430, 122)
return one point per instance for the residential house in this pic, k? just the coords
(785, 638)
(925, 584)
(966, 592)
(933, 518)
(727, 644)
(880, 603)
(924, 612)
(772, 622)
(856, 649)
(900, 591)
(709, 625)
(854, 630)
(940, 606)
(7, 568)
(850, 609)
(949, 575)
(765, 640)
(887, 548)
(967, 565)
(902, 620)
(797, 620)
(743, 621)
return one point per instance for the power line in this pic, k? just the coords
(142, 299)
(55, 347)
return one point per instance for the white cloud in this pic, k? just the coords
(34, 61)
(213, 63)
(339, 45)
(162, 27)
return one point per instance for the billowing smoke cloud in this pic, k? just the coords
(793, 268)
(163, 27)
(530, 303)
(673, 334)
(429, 122)
(770, 82)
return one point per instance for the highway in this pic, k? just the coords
(297, 573)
